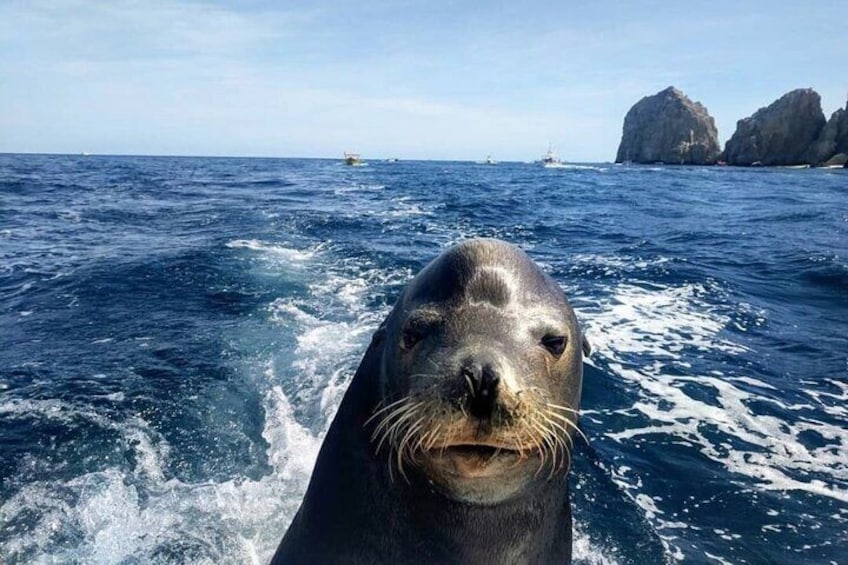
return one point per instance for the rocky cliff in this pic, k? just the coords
(669, 127)
(831, 147)
(780, 134)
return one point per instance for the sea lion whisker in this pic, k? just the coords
(565, 440)
(396, 412)
(391, 432)
(556, 425)
(432, 437)
(390, 422)
(549, 448)
(382, 431)
(402, 414)
(563, 448)
(570, 423)
(422, 438)
(551, 443)
(426, 442)
(404, 449)
(538, 440)
(449, 439)
(560, 407)
(384, 408)
(400, 458)
(554, 442)
(412, 433)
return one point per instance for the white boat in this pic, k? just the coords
(353, 159)
(550, 160)
(487, 161)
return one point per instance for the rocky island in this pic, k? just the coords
(831, 147)
(670, 128)
(779, 134)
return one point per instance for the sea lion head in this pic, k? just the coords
(480, 377)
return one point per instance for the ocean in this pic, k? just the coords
(176, 334)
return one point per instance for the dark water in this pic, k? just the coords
(176, 333)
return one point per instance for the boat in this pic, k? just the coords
(353, 159)
(487, 161)
(550, 160)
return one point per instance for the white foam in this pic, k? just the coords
(278, 251)
(584, 551)
(583, 167)
(332, 327)
(644, 335)
(656, 323)
(358, 188)
(73, 216)
(118, 515)
(292, 448)
(614, 263)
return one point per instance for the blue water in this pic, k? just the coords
(176, 333)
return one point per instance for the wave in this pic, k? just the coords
(281, 252)
(650, 338)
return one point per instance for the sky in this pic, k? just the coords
(412, 79)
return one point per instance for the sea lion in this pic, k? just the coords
(452, 443)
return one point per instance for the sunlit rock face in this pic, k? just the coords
(668, 127)
(779, 134)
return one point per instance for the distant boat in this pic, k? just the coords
(353, 159)
(487, 161)
(392, 160)
(550, 160)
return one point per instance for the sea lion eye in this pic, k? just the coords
(411, 336)
(555, 344)
(421, 323)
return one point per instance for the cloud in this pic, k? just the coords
(122, 30)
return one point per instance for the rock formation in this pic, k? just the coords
(668, 127)
(831, 147)
(780, 134)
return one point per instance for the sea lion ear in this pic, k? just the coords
(587, 348)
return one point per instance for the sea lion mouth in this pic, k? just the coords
(478, 450)
(475, 460)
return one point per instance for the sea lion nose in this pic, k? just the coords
(482, 383)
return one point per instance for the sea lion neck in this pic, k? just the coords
(534, 527)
